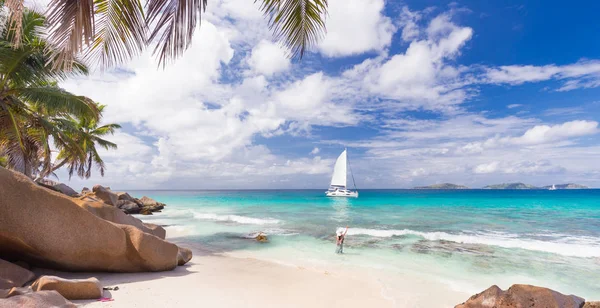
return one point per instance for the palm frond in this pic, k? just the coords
(105, 129)
(121, 32)
(174, 23)
(56, 101)
(15, 23)
(299, 24)
(72, 23)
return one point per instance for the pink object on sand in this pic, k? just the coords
(105, 299)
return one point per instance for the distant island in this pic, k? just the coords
(511, 186)
(517, 185)
(443, 186)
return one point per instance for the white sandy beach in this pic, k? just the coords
(212, 280)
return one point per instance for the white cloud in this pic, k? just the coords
(487, 168)
(268, 58)
(356, 26)
(583, 74)
(315, 151)
(422, 76)
(545, 133)
(408, 23)
(511, 106)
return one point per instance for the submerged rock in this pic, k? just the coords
(49, 229)
(521, 296)
(70, 288)
(12, 275)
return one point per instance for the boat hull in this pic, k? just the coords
(342, 193)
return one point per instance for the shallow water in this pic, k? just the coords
(468, 239)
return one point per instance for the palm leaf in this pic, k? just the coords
(15, 23)
(299, 24)
(174, 22)
(120, 32)
(72, 27)
(58, 101)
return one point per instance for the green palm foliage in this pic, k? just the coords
(86, 134)
(116, 30)
(34, 111)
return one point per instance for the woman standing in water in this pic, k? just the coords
(339, 240)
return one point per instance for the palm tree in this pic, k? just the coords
(86, 134)
(31, 103)
(116, 30)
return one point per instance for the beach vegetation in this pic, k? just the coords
(36, 115)
(113, 31)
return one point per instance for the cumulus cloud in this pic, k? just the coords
(422, 76)
(546, 133)
(315, 151)
(268, 58)
(369, 29)
(583, 74)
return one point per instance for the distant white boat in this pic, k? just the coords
(339, 177)
(552, 188)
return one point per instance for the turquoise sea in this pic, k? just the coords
(468, 239)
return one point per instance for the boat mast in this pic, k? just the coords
(351, 173)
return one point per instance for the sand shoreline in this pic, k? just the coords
(219, 280)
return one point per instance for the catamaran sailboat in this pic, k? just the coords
(339, 177)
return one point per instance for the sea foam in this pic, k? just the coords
(236, 218)
(572, 246)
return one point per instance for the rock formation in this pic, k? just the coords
(70, 288)
(49, 229)
(521, 296)
(12, 275)
(42, 299)
(105, 195)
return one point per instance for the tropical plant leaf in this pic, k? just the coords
(15, 23)
(58, 101)
(120, 32)
(299, 24)
(173, 24)
(71, 27)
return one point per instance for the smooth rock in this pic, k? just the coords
(49, 229)
(485, 299)
(183, 256)
(105, 195)
(521, 296)
(146, 211)
(66, 190)
(42, 299)
(12, 275)
(147, 201)
(125, 196)
(85, 190)
(113, 214)
(6, 293)
(70, 288)
(128, 206)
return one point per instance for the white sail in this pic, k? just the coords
(339, 171)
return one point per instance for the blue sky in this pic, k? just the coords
(421, 92)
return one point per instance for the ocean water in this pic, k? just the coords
(466, 239)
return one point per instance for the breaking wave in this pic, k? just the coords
(571, 246)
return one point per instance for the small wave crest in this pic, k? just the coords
(236, 218)
(571, 248)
